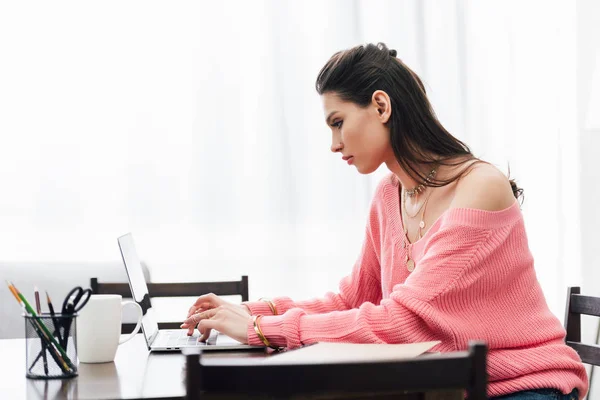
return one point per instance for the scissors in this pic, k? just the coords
(73, 303)
(76, 300)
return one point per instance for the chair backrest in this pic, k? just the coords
(183, 289)
(465, 370)
(577, 305)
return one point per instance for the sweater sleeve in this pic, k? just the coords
(362, 285)
(408, 315)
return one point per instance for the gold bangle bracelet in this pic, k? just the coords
(273, 308)
(259, 332)
(271, 305)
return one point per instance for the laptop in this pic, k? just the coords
(165, 339)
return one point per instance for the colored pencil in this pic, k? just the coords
(65, 363)
(38, 308)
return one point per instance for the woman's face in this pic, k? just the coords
(360, 134)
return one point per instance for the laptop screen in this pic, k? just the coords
(137, 282)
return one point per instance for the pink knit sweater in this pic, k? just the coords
(474, 279)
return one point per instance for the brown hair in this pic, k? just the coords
(416, 135)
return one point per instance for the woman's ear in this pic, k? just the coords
(381, 102)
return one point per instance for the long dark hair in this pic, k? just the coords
(416, 135)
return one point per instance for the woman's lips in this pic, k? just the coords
(350, 160)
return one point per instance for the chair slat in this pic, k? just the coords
(575, 307)
(113, 288)
(180, 289)
(128, 328)
(184, 289)
(458, 370)
(589, 353)
(585, 305)
(193, 289)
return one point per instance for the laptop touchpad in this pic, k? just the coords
(224, 340)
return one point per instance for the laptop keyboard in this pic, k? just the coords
(180, 338)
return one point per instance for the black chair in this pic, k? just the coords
(577, 305)
(184, 289)
(449, 373)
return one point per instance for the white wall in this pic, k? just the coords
(588, 46)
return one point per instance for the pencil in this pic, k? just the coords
(52, 313)
(57, 323)
(13, 291)
(38, 308)
(50, 306)
(59, 361)
(42, 329)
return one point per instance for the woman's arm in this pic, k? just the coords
(435, 295)
(414, 312)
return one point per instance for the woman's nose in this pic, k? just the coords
(336, 146)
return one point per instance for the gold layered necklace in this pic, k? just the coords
(423, 185)
(410, 262)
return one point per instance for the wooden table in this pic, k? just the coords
(135, 374)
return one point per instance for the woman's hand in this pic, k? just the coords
(211, 312)
(230, 319)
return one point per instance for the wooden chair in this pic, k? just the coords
(449, 373)
(227, 288)
(577, 305)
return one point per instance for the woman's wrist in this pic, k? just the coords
(271, 328)
(258, 331)
(261, 307)
(270, 304)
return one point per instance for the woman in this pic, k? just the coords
(445, 255)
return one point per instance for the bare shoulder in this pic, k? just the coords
(483, 188)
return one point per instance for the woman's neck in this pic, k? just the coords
(443, 172)
(407, 182)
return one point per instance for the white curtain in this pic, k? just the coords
(196, 126)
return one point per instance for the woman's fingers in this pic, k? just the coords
(229, 319)
(205, 302)
(195, 309)
(205, 335)
(205, 327)
(191, 322)
(195, 318)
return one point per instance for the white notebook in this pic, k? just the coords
(324, 353)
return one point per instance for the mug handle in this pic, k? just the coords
(139, 322)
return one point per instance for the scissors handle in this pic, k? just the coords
(73, 305)
(73, 292)
(86, 294)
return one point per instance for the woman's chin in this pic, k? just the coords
(364, 170)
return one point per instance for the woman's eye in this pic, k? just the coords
(337, 124)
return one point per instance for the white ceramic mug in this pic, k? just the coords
(99, 328)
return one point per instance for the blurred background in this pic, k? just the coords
(196, 126)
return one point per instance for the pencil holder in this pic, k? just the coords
(50, 346)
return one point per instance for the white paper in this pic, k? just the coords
(328, 353)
